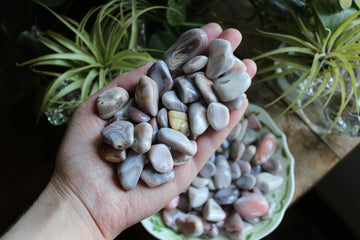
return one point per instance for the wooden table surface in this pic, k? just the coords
(25, 173)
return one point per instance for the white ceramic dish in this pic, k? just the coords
(282, 195)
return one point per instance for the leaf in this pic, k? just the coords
(176, 14)
(289, 39)
(86, 84)
(331, 15)
(340, 29)
(285, 50)
(162, 40)
(61, 56)
(67, 43)
(94, 51)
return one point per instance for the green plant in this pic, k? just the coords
(81, 66)
(317, 52)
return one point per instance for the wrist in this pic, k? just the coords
(57, 214)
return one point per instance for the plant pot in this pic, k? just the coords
(319, 116)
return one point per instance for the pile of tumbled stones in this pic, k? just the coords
(181, 96)
(228, 193)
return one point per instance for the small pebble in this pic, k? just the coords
(221, 58)
(111, 154)
(147, 95)
(159, 72)
(252, 205)
(110, 101)
(160, 158)
(176, 140)
(198, 196)
(265, 149)
(154, 179)
(218, 116)
(268, 182)
(171, 102)
(179, 122)
(186, 91)
(119, 134)
(142, 137)
(246, 182)
(129, 171)
(205, 87)
(162, 118)
(213, 212)
(195, 64)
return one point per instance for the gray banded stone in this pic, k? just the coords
(236, 103)
(159, 72)
(171, 101)
(195, 64)
(198, 120)
(205, 87)
(189, 45)
(119, 134)
(160, 158)
(218, 116)
(111, 154)
(142, 137)
(221, 58)
(154, 179)
(186, 91)
(147, 96)
(176, 140)
(136, 115)
(213, 212)
(198, 196)
(232, 86)
(162, 118)
(129, 171)
(110, 101)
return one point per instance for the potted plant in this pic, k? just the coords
(318, 64)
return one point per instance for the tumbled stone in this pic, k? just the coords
(188, 45)
(200, 182)
(251, 205)
(249, 153)
(222, 177)
(110, 101)
(172, 204)
(253, 122)
(269, 214)
(160, 158)
(227, 195)
(159, 72)
(180, 158)
(171, 102)
(198, 196)
(142, 137)
(208, 170)
(255, 169)
(197, 119)
(268, 182)
(237, 149)
(147, 96)
(234, 222)
(213, 212)
(218, 116)
(221, 58)
(232, 86)
(154, 179)
(246, 182)
(122, 113)
(190, 225)
(244, 124)
(179, 122)
(195, 64)
(137, 116)
(176, 140)
(119, 134)
(186, 91)
(245, 166)
(235, 132)
(252, 220)
(111, 154)
(129, 171)
(154, 125)
(236, 103)
(205, 87)
(235, 170)
(267, 146)
(162, 118)
(273, 165)
(250, 136)
(247, 229)
(210, 230)
(169, 217)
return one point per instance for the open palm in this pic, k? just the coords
(81, 171)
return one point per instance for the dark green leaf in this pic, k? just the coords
(162, 41)
(176, 14)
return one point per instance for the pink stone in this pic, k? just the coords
(252, 205)
(266, 148)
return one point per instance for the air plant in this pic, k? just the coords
(83, 65)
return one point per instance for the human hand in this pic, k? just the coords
(90, 185)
